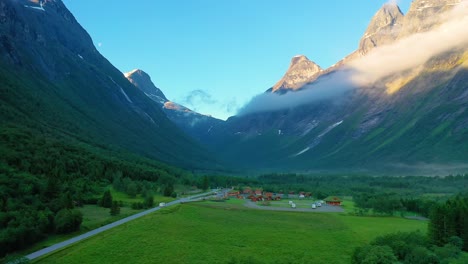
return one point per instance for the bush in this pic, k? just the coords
(374, 255)
(68, 220)
(137, 206)
(115, 209)
(106, 200)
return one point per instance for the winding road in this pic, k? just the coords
(101, 229)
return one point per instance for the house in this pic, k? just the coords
(247, 190)
(269, 196)
(333, 200)
(308, 194)
(277, 198)
(233, 193)
(258, 192)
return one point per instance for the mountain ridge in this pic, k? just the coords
(54, 77)
(197, 125)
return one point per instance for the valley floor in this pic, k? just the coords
(228, 232)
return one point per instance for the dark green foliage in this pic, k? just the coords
(115, 208)
(402, 243)
(149, 200)
(106, 200)
(137, 206)
(68, 220)
(450, 219)
(383, 203)
(131, 189)
(168, 190)
(421, 255)
(67, 201)
(408, 248)
(205, 183)
(448, 251)
(14, 259)
(374, 255)
(41, 175)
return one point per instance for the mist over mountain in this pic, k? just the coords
(398, 103)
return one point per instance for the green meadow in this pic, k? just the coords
(228, 232)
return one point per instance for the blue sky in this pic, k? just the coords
(213, 56)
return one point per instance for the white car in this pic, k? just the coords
(162, 204)
(314, 206)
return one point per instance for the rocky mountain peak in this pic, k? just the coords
(424, 15)
(143, 82)
(301, 71)
(383, 28)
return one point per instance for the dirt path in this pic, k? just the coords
(323, 209)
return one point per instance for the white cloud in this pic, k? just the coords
(414, 50)
(383, 61)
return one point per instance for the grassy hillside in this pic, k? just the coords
(216, 232)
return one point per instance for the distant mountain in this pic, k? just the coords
(143, 82)
(410, 121)
(194, 124)
(301, 71)
(54, 81)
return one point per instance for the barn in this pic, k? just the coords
(333, 200)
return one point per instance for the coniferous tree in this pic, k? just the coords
(205, 183)
(149, 200)
(106, 200)
(115, 208)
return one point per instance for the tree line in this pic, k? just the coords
(43, 180)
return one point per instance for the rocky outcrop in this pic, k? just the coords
(301, 71)
(142, 81)
(383, 28)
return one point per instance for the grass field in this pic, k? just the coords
(95, 216)
(226, 232)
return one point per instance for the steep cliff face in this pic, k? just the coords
(424, 15)
(54, 79)
(196, 125)
(383, 28)
(412, 120)
(143, 82)
(301, 71)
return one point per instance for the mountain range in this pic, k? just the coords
(55, 83)
(398, 104)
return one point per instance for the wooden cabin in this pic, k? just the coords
(333, 200)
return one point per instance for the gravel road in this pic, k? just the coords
(322, 209)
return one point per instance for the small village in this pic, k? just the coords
(263, 198)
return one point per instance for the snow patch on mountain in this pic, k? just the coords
(126, 96)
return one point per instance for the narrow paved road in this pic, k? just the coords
(70, 241)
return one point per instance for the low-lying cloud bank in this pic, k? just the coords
(414, 50)
(327, 87)
(383, 61)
